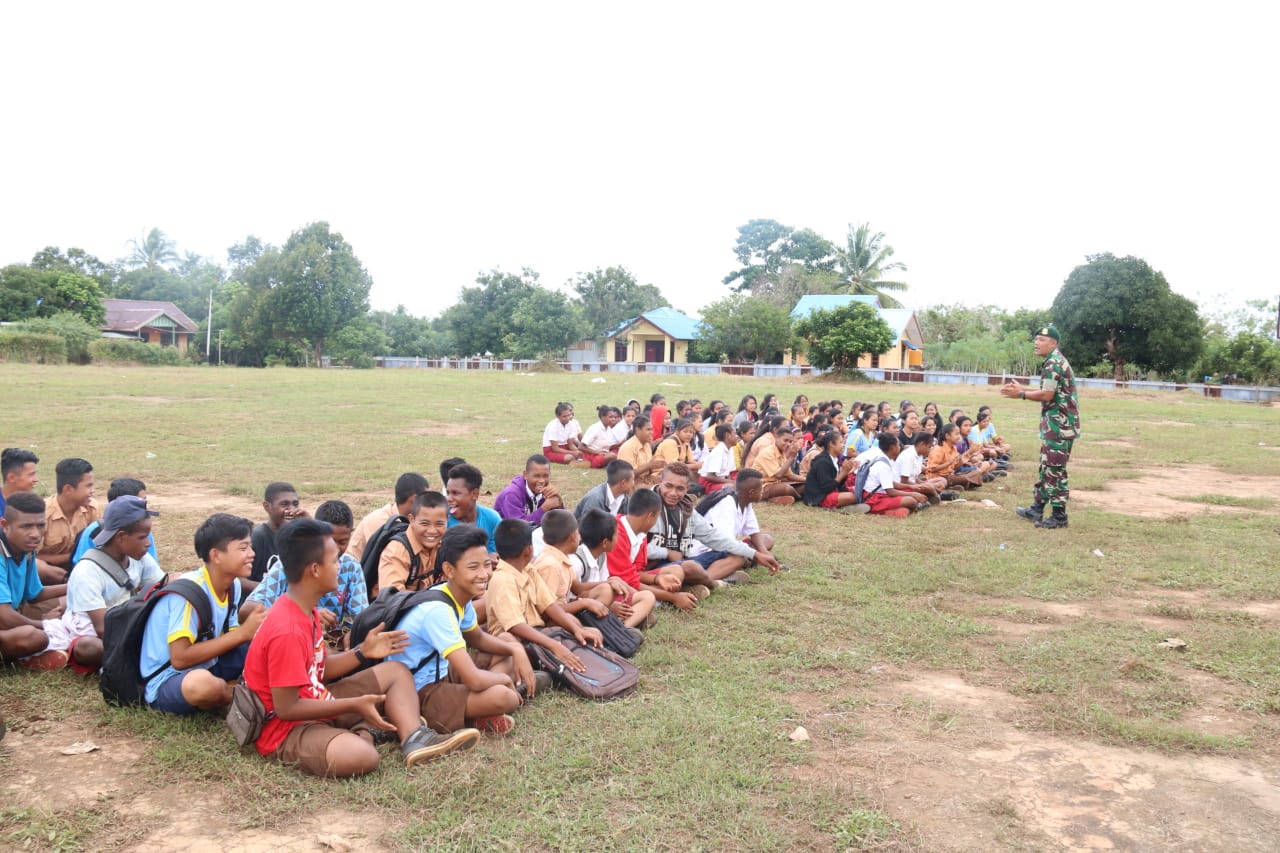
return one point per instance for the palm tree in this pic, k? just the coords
(154, 250)
(862, 263)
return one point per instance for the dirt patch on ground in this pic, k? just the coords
(159, 401)
(1156, 493)
(951, 760)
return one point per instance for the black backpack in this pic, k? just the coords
(389, 608)
(394, 530)
(705, 505)
(120, 678)
(860, 479)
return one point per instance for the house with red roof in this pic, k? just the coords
(150, 321)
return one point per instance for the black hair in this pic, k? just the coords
(946, 430)
(71, 471)
(766, 424)
(921, 437)
(536, 459)
(619, 471)
(885, 440)
(336, 513)
(681, 423)
(563, 407)
(640, 421)
(409, 485)
(14, 458)
(512, 536)
(723, 431)
(653, 400)
(960, 420)
(681, 406)
(428, 500)
(952, 417)
(448, 465)
(557, 526)
(747, 474)
(458, 540)
(217, 530)
(274, 490)
(742, 404)
(27, 503)
(469, 474)
(712, 405)
(301, 543)
(645, 501)
(722, 416)
(822, 440)
(601, 411)
(884, 404)
(866, 416)
(122, 486)
(596, 527)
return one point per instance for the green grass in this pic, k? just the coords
(698, 758)
(1230, 500)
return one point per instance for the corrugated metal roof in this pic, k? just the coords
(679, 326)
(130, 315)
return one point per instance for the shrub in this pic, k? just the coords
(72, 328)
(32, 347)
(116, 351)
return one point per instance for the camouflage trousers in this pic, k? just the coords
(1051, 488)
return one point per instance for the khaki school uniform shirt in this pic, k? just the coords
(671, 450)
(771, 463)
(515, 597)
(393, 565)
(370, 525)
(638, 454)
(60, 532)
(762, 444)
(555, 570)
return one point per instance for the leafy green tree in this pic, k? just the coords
(944, 324)
(1121, 311)
(316, 286)
(612, 295)
(864, 261)
(72, 328)
(359, 342)
(27, 292)
(544, 323)
(152, 251)
(743, 328)
(766, 247)
(1024, 321)
(77, 261)
(480, 320)
(408, 335)
(1247, 356)
(838, 338)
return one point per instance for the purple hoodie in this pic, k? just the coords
(514, 502)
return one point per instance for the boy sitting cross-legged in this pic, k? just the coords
(464, 676)
(192, 674)
(519, 602)
(629, 559)
(320, 721)
(597, 531)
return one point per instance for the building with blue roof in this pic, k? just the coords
(907, 350)
(662, 334)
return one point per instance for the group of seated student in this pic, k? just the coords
(455, 666)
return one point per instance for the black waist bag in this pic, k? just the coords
(617, 638)
(607, 675)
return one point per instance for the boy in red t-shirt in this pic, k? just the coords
(629, 559)
(320, 721)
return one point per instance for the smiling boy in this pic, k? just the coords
(462, 489)
(281, 504)
(183, 674)
(411, 564)
(68, 512)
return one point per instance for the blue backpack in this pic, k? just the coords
(860, 480)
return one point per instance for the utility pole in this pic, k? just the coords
(208, 329)
(219, 348)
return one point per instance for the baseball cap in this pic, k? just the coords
(122, 512)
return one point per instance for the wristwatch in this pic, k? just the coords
(1023, 395)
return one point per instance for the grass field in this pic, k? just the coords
(967, 682)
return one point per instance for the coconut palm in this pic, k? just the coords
(154, 250)
(862, 263)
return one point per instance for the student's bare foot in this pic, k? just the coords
(699, 591)
(499, 724)
(426, 745)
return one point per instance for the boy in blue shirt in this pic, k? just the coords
(464, 676)
(185, 675)
(21, 532)
(462, 490)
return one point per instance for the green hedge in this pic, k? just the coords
(117, 351)
(32, 347)
(72, 328)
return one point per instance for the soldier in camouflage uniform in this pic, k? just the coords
(1059, 428)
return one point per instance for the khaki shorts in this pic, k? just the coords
(444, 703)
(306, 746)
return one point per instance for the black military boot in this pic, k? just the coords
(1056, 520)
(1031, 513)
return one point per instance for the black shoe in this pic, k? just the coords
(1034, 513)
(1055, 521)
(541, 683)
(987, 478)
(948, 494)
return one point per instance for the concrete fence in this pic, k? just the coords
(1244, 393)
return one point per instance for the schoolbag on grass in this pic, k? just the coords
(607, 676)
(614, 632)
(860, 479)
(389, 608)
(396, 529)
(120, 677)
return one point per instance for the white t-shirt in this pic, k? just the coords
(881, 477)
(587, 568)
(558, 433)
(90, 588)
(719, 461)
(908, 465)
(727, 515)
(598, 438)
(619, 433)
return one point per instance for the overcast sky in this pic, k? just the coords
(995, 144)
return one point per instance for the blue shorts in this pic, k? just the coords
(706, 558)
(169, 698)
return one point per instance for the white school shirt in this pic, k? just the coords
(598, 438)
(881, 476)
(908, 465)
(558, 433)
(727, 515)
(720, 461)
